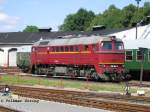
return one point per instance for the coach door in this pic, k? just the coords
(12, 57)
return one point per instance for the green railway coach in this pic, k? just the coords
(133, 63)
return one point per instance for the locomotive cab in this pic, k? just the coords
(111, 58)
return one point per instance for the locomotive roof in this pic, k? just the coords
(75, 41)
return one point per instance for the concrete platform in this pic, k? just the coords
(34, 105)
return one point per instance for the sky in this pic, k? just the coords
(15, 15)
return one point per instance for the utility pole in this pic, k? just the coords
(142, 50)
(138, 2)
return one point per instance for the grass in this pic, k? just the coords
(83, 85)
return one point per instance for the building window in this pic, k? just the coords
(66, 49)
(71, 48)
(138, 55)
(129, 55)
(62, 49)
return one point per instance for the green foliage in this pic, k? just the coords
(31, 29)
(113, 17)
(77, 22)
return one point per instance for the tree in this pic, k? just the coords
(78, 21)
(111, 18)
(31, 29)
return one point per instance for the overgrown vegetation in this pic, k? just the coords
(82, 85)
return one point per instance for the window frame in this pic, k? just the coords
(137, 56)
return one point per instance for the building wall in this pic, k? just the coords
(8, 57)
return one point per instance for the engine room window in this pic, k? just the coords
(62, 49)
(77, 49)
(129, 55)
(71, 48)
(66, 48)
(138, 55)
(119, 46)
(107, 45)
(53, 49)
(57, 49)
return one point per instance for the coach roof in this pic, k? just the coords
(75, 41)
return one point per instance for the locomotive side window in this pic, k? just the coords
(77, 49)
(138, 55)
(71, 48)
(129, 55)
(107, 45)
(119, 46)
(57, 49)
(53, 49)
(66, 49)
(62, 49)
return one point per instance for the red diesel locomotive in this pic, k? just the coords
(93, 57)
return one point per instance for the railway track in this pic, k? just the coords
(115, 102)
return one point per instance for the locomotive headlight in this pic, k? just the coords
(101, 65)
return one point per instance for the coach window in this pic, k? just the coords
(66, 49)
(62, 49)
(129, 55)
(149, 55)
(71, 48)
(138, 55)
(57, 49)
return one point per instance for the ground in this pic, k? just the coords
(68, 84)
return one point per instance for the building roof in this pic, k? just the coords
(30, 38)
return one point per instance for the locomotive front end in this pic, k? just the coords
(111, 59)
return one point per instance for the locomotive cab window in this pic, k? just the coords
(129, 55)
(86, 48)
(138, 55)
(119, 46)
(106, 45)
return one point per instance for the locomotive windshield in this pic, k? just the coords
(107, 45)
(119, 46)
